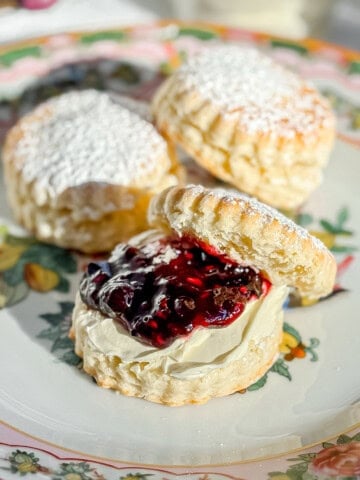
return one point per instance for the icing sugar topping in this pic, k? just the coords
(265, 96)
(254, 207)
(87, 136)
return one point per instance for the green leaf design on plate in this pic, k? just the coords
(51, 257)
(117, 35)
(329, 227)
(198, 33)
(309, 476)
(304, 219)
(327, 444)
(71, 358)
(49, 333)
(23, 462)
(15, 275)
(259, 384)
(289, 329)
(11, 295)
(296, 472)
(314, 343)
(57, 333)
(344, 439)
(63, 285)
(56, 318)
(40, 265)
(342, 216)
(354, 67)
(337, 228)
(78, 471)
(343, 249)
(290, 45)
(12, 56)
(306, 457)
(281, 368)
(61, 343)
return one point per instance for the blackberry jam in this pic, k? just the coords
(165, 289)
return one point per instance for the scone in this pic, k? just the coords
(81, 168)
(193, 309)
(250, 122)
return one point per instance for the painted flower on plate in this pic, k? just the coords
(339, 460)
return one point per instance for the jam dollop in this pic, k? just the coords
(170, 286)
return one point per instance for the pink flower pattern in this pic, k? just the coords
(343, 460)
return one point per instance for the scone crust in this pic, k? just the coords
(249, 233)
(156, 386)
(255, 149)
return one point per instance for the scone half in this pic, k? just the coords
(177, 318)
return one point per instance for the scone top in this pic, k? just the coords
(248, 232)
(84, 148)
(264, 97)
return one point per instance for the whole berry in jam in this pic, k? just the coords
(165, 289)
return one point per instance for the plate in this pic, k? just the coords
(301, 418)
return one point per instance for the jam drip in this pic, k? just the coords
(166, 288)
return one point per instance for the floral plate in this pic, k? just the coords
(299, 422)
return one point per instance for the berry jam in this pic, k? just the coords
(165, 289)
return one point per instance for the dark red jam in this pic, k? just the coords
(168, 287)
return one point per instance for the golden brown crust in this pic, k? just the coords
(281, 170)
(248, 232)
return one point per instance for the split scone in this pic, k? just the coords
(81, 169)
(193, 309)
(250, 122)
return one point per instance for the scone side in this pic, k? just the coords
(63, 227)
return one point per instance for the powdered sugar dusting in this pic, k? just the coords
(254, 207)
(263, 95)
(88, 137)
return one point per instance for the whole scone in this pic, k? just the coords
(192, 310)
(250, 122)
(81, 169)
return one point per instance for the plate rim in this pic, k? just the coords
(180, 466)
(310, 43)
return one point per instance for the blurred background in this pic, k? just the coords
(335, 20)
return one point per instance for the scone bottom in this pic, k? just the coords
(168, 287)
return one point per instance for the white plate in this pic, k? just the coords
(57, 403)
